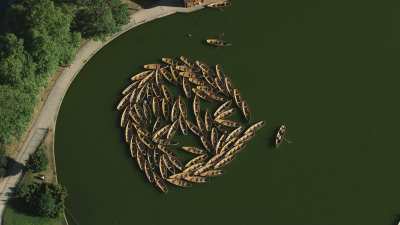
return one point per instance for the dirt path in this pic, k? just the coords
(47, 117)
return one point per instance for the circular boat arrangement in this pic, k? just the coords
(155, 109)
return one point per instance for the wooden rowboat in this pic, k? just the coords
(280, 135)
(218, 42)
(222, 4)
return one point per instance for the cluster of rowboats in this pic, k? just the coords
(152, 116)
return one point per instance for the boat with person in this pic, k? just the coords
(218, 5)
(218, 42)
(280, 135)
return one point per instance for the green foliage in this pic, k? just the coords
(96, 20)
(38, 161)
(43, 199)
(100, 18)
(120, 12)
(36, 38)
(14, 61)
(16, 107)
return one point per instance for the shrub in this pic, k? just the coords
(38, 161)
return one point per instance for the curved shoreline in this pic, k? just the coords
(47, 118)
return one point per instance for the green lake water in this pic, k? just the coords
(327, 69)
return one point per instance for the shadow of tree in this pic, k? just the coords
(152, 3)
(14, 167)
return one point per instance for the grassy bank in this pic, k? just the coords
(15, 212)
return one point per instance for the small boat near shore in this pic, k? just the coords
(280, 135)
(219, 5)
(218, 42)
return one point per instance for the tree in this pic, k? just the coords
(45, 28)
(38, 161)
(120, 12)
(16, 107)
(99, 18)
(15, 64)
(43, 199)
(95, 20)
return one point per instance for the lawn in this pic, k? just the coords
(13, 217)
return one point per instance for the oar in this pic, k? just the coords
(287, 141)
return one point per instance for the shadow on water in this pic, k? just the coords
(396, 219)
(151, 3)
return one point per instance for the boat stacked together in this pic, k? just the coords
(152, 116)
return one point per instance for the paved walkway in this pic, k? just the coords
(47, 117)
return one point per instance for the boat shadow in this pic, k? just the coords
(396, 219)
(145, 4)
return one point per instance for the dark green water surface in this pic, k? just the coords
(328, 69)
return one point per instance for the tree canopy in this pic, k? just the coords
(38, 36)
(43, 199)
(38, 161)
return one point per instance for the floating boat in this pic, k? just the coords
(203, 169)
(206, 143)
(225, 106)
(162, 168)
(214, 137)
(245, 138)
(166, 93)
(165, 108)
(228, 86)
(182, 107)
(228, 123)
(124, 101)
(234, 134)
(179, 182)
(196, 105)
(225, 114)
(280, 135)
(221, 4)
(218, 42)
(255, 127)
(187, 61)
(166, 60)
(186, 87)
(160, 183)
(195, 179)
(194, 150)
(132, 147)
(245, 109)
(208, 121)
(211, 173)
(153, 66)
(227, 145)
(200, 123)
(183, 125)
(225, 161)
(192, 168)
(237, 97)
(196, 160)
(220, 143)
(175, 111)
(236, 149)
(140, 75)
(172, 130)
(192, 127)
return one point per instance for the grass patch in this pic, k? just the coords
(12, 216)
(15, 212)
